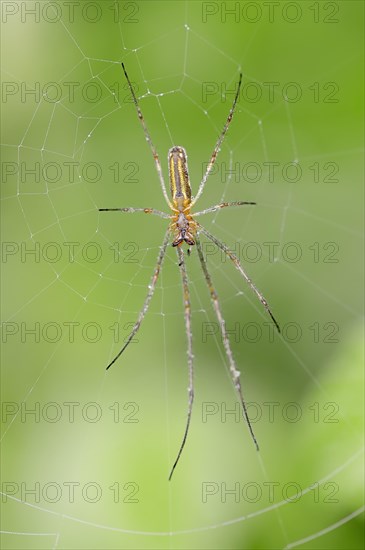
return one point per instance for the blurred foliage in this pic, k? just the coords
(304, 388)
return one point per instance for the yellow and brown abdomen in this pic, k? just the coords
(179, 177)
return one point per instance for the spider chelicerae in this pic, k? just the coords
(183, 228)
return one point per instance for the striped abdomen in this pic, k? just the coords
(179, 177)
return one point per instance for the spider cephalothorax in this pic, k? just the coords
(183, 225)
(186, 230)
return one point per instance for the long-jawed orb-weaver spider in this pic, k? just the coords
(185, 229)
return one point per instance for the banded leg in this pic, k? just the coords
(189, 337)
(222, 205)
(151, 290)
(238, 266)
(218, 144)
(148, 139)
(232, 365)
(131, 210)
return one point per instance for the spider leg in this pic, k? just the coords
(151, 290)
(218, 144)
(222, 205)
(232, 365)
(131, 210)
(238, 266)
(189, 337)
(148, 139)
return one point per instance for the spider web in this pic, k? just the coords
(86, 454)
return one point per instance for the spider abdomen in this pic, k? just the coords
(179, 177)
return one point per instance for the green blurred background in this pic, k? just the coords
(113, 436)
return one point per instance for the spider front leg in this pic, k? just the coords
(151, 290)
(189, 337)
(232, 365)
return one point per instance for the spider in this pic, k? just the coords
(184, 228)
